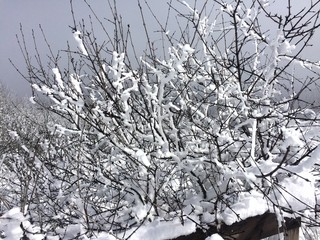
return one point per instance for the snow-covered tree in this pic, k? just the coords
(215, 129)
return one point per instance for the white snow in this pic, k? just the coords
(248, 205)
(13, 134)
(161, 230)
(10, 226)
(296, 192)
(293, 137)
(31, 99)
(142, 157)
(105, 236)
(75, 81)
(215, 236)
(58, 78)
(168, 146)
(77, 37)
(286, 47)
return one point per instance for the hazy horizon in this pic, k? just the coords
(55, 18)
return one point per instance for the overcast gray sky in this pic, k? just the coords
(53, 15)
(55, 18)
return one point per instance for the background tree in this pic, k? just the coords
(210, 126)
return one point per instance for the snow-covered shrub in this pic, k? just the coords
(19, 131)
(215, 130)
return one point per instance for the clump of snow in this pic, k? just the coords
(289, 193)
(142, 157)
(310, 114)
(13, 135)
(248, 205)
(76, 83)
(77, 37)
(215, 236)
(13, 225)
(286, 47)
(161, 230)
(10, 224)
(208, 217)
(72, 231)
(58, 78)
(105, 236)
(31, 99)
(292, 137)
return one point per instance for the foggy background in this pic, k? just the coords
(55, 18)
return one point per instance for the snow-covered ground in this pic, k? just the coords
(14, 226)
